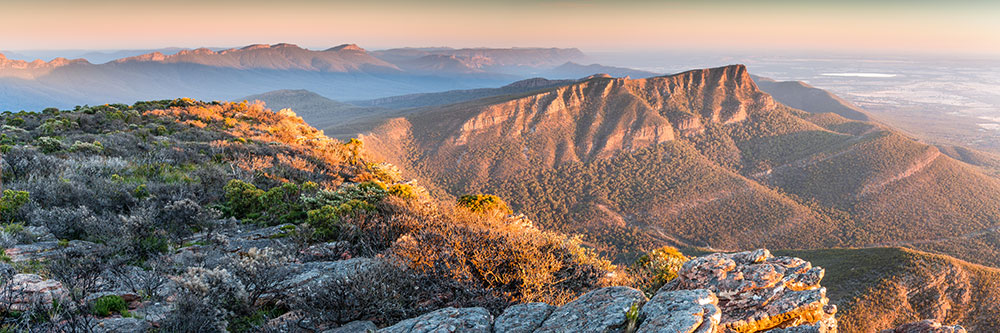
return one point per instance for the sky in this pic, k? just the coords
(896, 26)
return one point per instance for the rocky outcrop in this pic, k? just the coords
(926, 326)
(750, 291)
(522, 318)
(758, 291)
(681, 311)
(47, 250)
(472, 320)
(601, 310)
(25, 291)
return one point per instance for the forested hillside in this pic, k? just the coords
(701, 158)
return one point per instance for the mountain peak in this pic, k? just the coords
(347, 47)
(255, 47)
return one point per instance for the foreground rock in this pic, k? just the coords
(681, 311)
(472, 320)
(758, 291)
(749, 291)
(926, 326)
(522, 318)
(601, 310)
(25, 291)
(48, 250)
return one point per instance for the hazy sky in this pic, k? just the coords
(970, 27)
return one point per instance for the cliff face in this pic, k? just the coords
(592, 119)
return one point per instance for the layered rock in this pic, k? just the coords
(26, 291)
(758, 291)
(749, 291)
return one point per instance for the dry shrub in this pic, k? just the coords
(503, 254)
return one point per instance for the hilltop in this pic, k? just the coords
(197, 216)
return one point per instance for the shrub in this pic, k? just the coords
(15, 121)
(86, 147)
(50, 145)
(242, 199)
(658, 267)
(11, 202)
(106, 305)
(484, 203)
(405, 191)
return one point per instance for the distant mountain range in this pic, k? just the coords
(345, 72)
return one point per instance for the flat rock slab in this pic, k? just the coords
(681, 311)
(522, 318)
(471, 320)
(360, 326)
(601, 310)
(48, 250)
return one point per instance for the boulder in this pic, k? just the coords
(522, 318)
(360, 326)
(317, 274)
(601, 310)
(681, 311)
(24, 291)
(122, 325)
(758, 291)
(926, 326)
(471, 320)
(153, 311)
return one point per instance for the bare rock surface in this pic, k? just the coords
(601, 310)
(25, 290)
(926, 326)
(470, 320)
(749, 291)
(522, 318)
(360, 326)
(47, 250)
(681, 311)
(758, 291)
(119, 324)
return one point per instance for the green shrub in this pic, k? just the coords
(49, 144)
(484, 203)
(283, 204)
(87, 147)
(368, 192)
(10, 202)
(151, 245)
(106, 305)
(242, 199)
(16, 121)
(405, 191)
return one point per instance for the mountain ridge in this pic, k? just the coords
(657, 160)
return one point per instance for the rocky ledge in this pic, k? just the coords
(749, 291)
